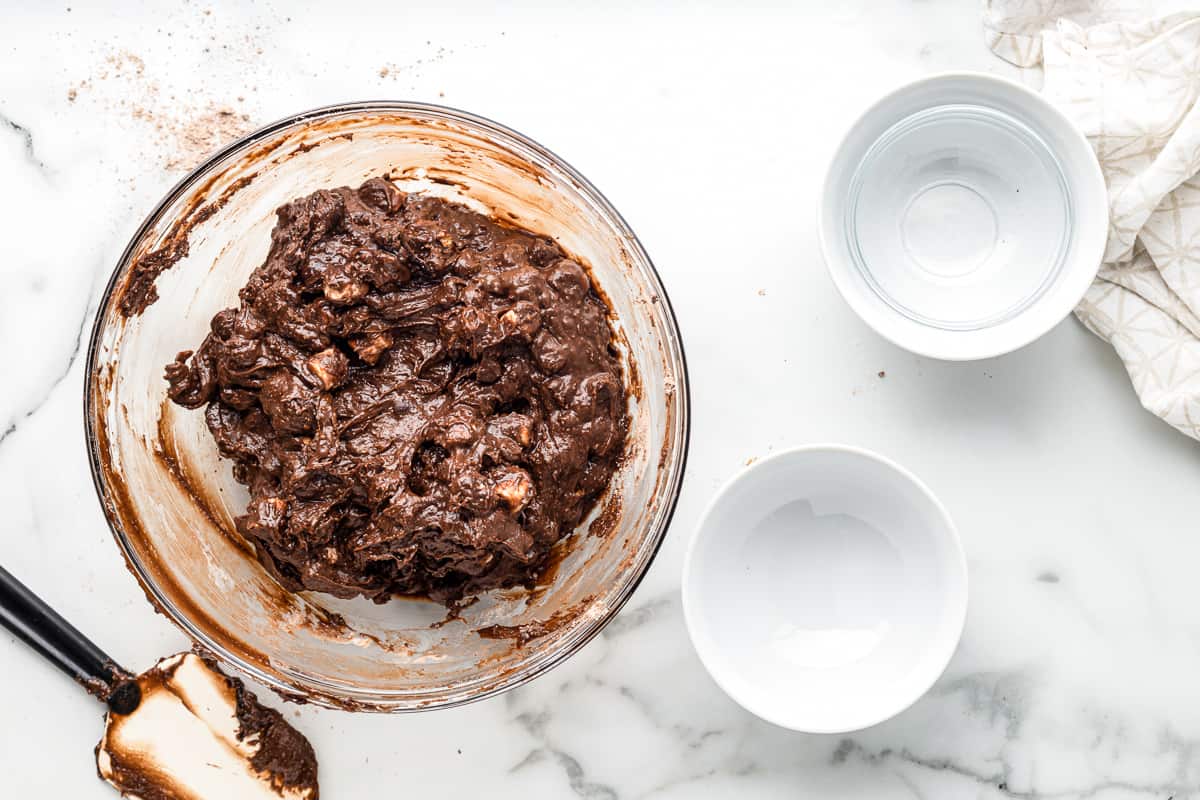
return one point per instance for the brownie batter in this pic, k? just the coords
(420, 400)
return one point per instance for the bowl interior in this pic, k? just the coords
(825, 590)
(963, 216)
(171, 499)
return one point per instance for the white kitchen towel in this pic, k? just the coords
(1132, 87)
(1013, 28)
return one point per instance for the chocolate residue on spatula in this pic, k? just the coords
(283, 752)
(199, 734)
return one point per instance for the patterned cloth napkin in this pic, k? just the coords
(1131, 84)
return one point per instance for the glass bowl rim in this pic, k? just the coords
(377, 701)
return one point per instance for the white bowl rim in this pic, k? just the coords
(1076, 278)
(954, 542)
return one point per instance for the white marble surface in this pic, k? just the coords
(1078, 673)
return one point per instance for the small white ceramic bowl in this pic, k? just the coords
(963, 216)
(826, 589)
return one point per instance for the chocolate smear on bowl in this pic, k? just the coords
(527, 632)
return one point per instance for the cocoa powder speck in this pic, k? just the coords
(184, 129)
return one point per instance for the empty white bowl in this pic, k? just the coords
(963, 216)
(826, 589)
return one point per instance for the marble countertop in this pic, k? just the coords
(709, 129)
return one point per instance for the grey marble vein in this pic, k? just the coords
(690, 736)
(15, 422)
(27, 139)
(674, 783)
(998, 780)
(997, 696)
(535, 725)
(909, 784)
(578, 781)
(634, 618)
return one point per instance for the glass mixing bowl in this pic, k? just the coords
(170, 499)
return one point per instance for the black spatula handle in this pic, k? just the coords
(43, 629)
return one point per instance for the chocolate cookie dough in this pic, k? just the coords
(420, 400)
